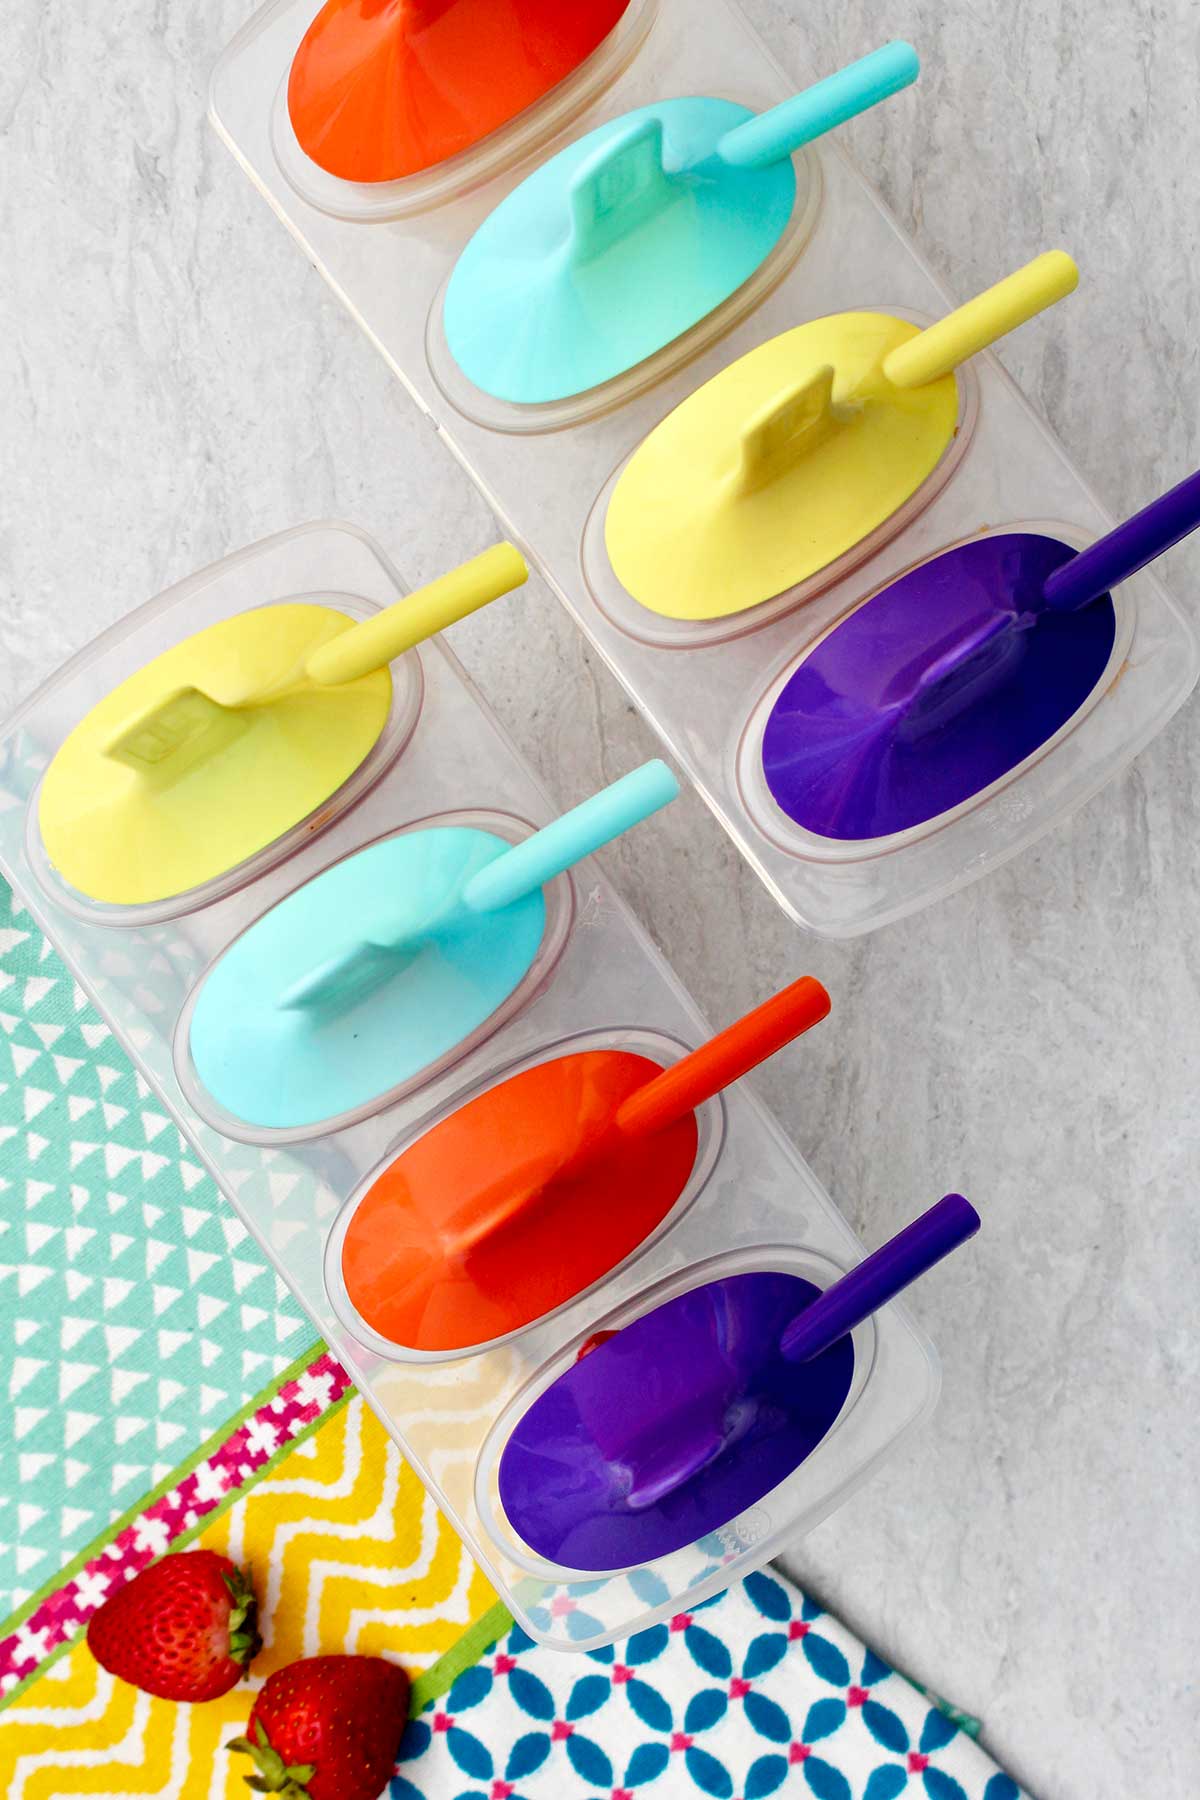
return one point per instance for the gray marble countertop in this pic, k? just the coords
(176, 381)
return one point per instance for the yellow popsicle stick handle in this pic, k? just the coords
(800, 417)
(939, 349)
(376, 642)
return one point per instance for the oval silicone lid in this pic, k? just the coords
(173, 778)
(672, 1427)
(625, 240)
(933, 689)
(382, 89)
(278, 1045)
(388, 964)
(758, 480)
(538, 307)
(222, 744)
(797, 452)
(512, 1205)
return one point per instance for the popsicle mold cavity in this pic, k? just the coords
(788, 460)
(383, 89)
(208, 754)
(514, 1204)
(672, 1427)
(692, 205)
(362, 983)
(933, 690)
(538, 307)
(775, 468)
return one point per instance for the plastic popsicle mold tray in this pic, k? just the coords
(750, 1187)
(700, 694)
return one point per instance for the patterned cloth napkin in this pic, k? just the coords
(755, 1693)
(136, 1313)
(758, 1692)
(164, 1390)
(346, 1552)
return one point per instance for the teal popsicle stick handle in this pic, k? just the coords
(566, 841)
(796, 122)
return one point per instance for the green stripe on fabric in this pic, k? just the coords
(475, 1642)
(193, 1532)
(966, 1722)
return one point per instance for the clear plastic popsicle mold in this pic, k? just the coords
(756, 1191)
(699, 695)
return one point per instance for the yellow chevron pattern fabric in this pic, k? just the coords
(348, 1553)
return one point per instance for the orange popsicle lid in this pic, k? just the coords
(513, 1205)
(532, 1191)
(382, 89)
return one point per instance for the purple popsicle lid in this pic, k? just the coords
(672, 1427)
(933, 689)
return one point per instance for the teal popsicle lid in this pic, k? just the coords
(626, 239)
(389, 965)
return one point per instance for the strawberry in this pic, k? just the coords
(327, 1728)
(183, 1629)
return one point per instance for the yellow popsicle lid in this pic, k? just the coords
(228, 740)
(795, 453)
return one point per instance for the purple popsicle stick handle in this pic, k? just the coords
(1124, 551)
(883, 1275)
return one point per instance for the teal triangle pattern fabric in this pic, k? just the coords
(137, 1314)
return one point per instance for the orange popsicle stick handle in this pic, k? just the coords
(725, 1058)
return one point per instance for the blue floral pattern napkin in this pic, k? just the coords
(757, 1692)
